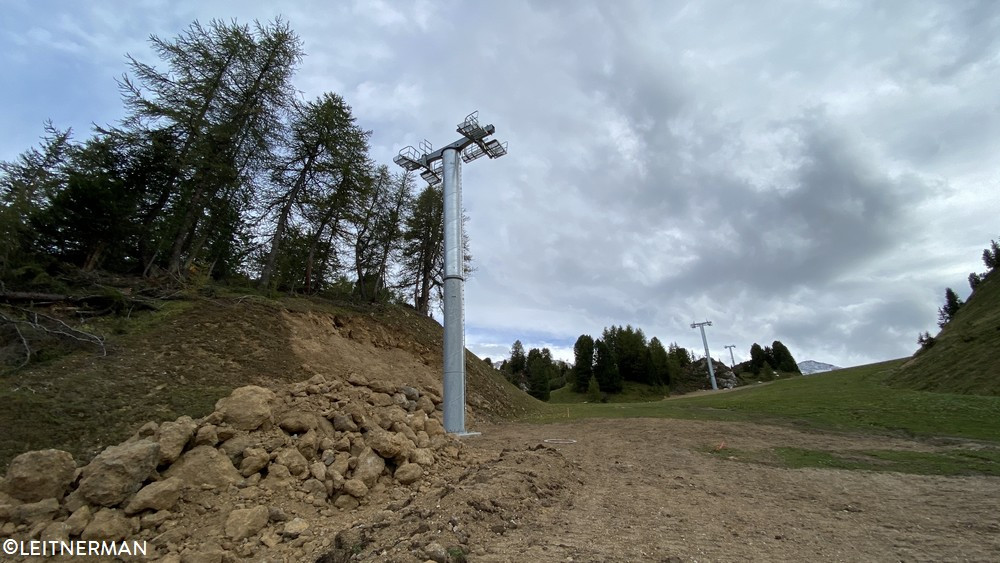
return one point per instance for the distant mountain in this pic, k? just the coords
(809, 367)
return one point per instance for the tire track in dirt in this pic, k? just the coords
(651, 492)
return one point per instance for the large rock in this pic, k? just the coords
(204, 465)
(33, 476)
(426, 405)
(254, 459)
(356, 488)
(408, 473)
(247, 408)
(118, 472)
(369, 467)
(243, 523)
(433, 428)
(294, 460)
(78, 521)
(161, 495)
(390, 445)
(297, 422)
(344, 423)
(173, 436)
(107, 524)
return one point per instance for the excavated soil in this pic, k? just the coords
(656, 490)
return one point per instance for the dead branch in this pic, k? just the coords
(60, 328)
(27, 348)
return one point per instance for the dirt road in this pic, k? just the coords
(648, 490)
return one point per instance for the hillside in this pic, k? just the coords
(182, 359)
(964, 356)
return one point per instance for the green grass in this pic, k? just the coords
(855, 399)
(631, 393)
(964, 357)
(952, 461)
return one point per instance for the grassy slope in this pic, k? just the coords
(965, 358)
(632, 393)
(851, 399)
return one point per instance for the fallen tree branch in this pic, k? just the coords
(27, 348)
(60, 328)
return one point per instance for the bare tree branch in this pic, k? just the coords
(59, 328)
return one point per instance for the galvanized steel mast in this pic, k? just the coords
(443, 166)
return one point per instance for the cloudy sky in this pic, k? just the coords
(811, 172)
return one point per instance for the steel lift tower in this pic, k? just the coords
(439, 166)
(708, 357)
(732, 360)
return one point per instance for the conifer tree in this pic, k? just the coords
(583, 362)
(952, 304)
(606, 368)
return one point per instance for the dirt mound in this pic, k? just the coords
(284, 473)
(181, 360)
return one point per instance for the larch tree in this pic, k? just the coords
(583, 362)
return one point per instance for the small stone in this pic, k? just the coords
(408, 473)
(270, 539)
(369, 467)
(243, 523)
(436, 552)
(294, 460)
(254, 459)
(422, 456)
(78, 521)
(161, 495)
(207, 436)
(318, 470)
(356, 488)
(426, 405)
(411, 393)
(295, 528)
(55, 531)
(346, 502)
(297, 422)
(173, 436)
(34, 512)
(155, 519)
(344, 423)
(107, 524)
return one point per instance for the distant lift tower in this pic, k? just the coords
(732, 360)
(437, 166)
(708, 357)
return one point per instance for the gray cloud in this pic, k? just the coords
(812, 173)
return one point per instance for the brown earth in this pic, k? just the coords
(652, 489)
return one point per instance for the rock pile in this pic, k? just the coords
(250, 478)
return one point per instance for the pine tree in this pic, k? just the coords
(518, 360)
(323, 146)
(952, 304)
(659, 363)
(221, 91)
(757, 358)
(991, 256)
(593, 390)
(583, 362)
(539, 372)
(783, 358)
(606, 368)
